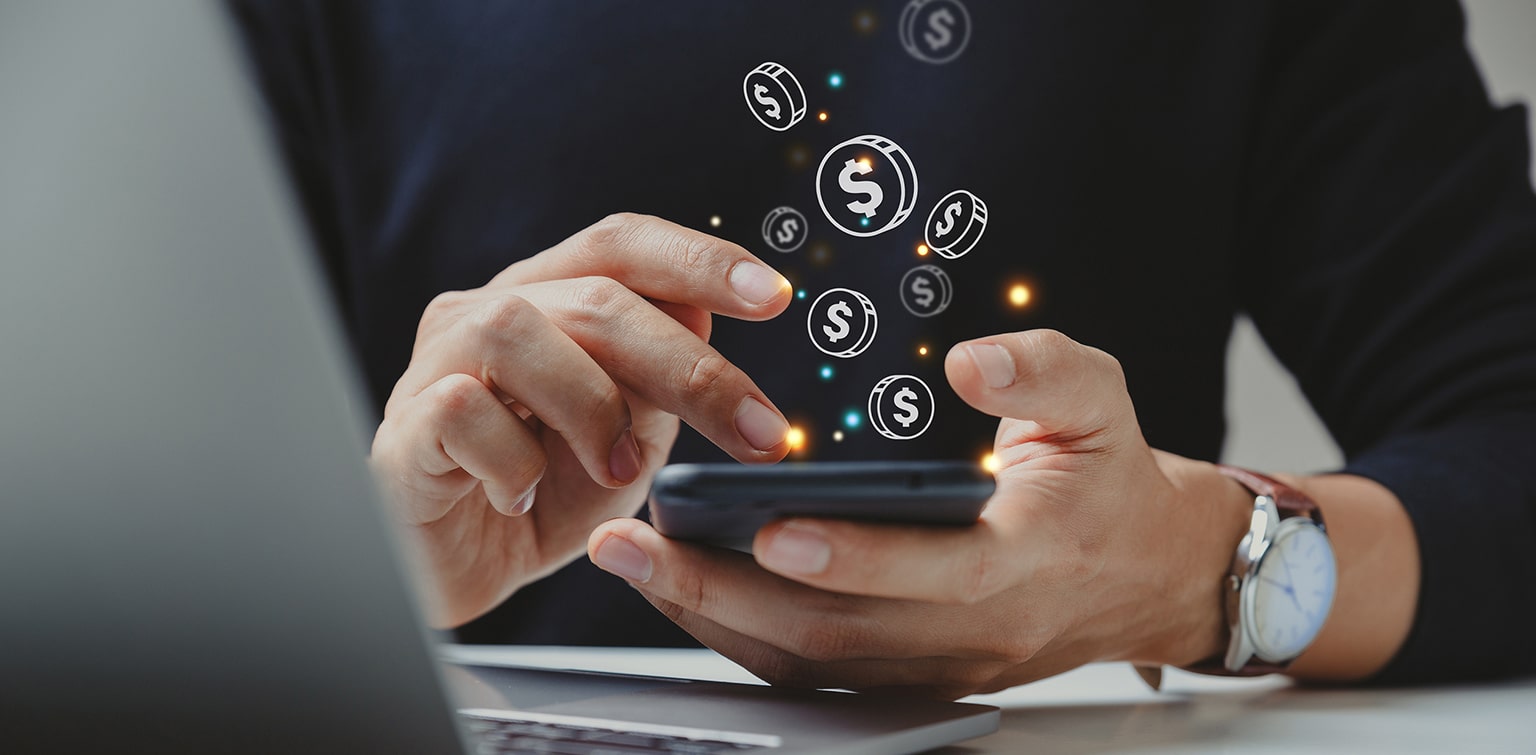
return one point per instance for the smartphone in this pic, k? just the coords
(726, 504)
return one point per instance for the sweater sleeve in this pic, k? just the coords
(1388, 257)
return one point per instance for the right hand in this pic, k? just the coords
(542, 404)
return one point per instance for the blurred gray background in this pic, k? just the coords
(1270, 425)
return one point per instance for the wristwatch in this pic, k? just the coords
(1282, 581)
(1280, 587)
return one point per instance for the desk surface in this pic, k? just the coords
(1105, 708)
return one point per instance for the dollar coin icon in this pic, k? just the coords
(842, 323)
(901, 407)
(774, 96)
(785, 229)
(926, 290)
(955, 224)
(866, 185)
(935, 31)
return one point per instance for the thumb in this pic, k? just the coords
(1043, 377)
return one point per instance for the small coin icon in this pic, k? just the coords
(785, 229)
(774, 96)
(901, 407)
(926, 290)
(842, 323)
(955, 224)
(866, 185)
(935, 31)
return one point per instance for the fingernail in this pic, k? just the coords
(525, 503)
(624, 459)
(761, 427)
(619, 556)
(756, 283)
(797, 549)
(995, 364)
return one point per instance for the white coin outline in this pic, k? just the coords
(795, 100)
(946, 284)
(907, 29)
(865, 339)
(878, 422)
(975, 222)
(773, 216)
(905, 172)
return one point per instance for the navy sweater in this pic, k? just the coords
(1333, 168)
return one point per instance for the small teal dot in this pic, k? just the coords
(826, 372)
(800, 294)
(852, 419)
(835, 80)
(864, 222)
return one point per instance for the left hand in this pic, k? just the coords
(1095, 547)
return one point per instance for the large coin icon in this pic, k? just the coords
(956, 224)
(842, 323)
(935, 31)
(785, 229)
(774, 96)
(926, 290)
(866, 185)
(901, 407)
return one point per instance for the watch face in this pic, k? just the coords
(1292, 591)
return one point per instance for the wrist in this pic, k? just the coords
(1208, 515)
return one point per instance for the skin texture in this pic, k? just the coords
(1095, 547)
(541, 404)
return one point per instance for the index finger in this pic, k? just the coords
(662, 260)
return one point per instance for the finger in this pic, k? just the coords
(943, 565)
(451, 435)
(1042, 376)
(662, 260)
(727, 588)
(941, 677)
(696, 320)
(514, 349)
(665, 364)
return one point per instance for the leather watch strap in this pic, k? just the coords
(1288, 500)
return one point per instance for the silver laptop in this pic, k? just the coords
(191, 558)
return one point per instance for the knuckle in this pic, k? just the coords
(609, 232)
(456, 396)
(598, 297)
(706, 372)
(504, 318)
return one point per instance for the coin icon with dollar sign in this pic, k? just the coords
(842, 323)
(956, 224)
(926, 290)
(901, 407)
(774, 96)
(866, 185)
(935, 31)
(785, 229)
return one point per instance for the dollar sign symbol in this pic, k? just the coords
(846, 183)
(922, 293)
(760, 93)
(908, 410)
(787, 230)
(947, 223)
(842, 330)
(938, 34)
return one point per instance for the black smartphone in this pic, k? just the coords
(726, 504)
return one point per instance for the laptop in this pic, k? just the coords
(192, 558)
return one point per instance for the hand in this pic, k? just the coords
(1095, 547)
(532, 406)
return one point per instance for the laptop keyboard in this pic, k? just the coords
(503, 731)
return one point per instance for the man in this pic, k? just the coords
(1332, 169)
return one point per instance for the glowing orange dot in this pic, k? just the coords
(796, 438)
(922, 351)
(922, 250)
(989, 463)
(864, 163)
(1019, 295)
(822, 116)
